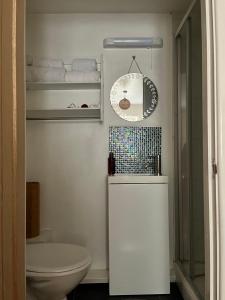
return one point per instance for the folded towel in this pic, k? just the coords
(73, 76)
(84, 64)
(39, 74)
(29, 60)
(47, 62)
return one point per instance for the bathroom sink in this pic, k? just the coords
(137, 178)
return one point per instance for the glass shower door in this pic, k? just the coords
(197, 267)
(190, 213)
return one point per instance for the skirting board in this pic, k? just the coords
(96, 276)
(185, 287)
(172, 275)
(102, 276)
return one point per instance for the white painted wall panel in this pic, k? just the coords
(70, 158)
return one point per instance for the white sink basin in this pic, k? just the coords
(136, 178)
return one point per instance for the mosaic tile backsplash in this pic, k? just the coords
(134, 148)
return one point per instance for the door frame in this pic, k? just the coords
(218, 11)
(210, 152)
(12, 150)
(209, 155)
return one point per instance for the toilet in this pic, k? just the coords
(54, 269)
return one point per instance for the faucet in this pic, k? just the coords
(156, 164)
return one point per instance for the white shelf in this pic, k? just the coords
(63, 86)
(64, 114)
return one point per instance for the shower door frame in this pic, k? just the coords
(218, 11)
(210, 145)
(209, 157)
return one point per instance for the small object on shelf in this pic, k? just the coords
(94, 106)
(71, 105)
(84, 106)
(111, 164)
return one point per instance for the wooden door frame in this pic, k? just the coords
(12, 150)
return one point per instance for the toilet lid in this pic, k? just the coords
(55, 257)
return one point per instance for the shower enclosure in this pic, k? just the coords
(190, 249)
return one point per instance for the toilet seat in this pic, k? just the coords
(49, 258)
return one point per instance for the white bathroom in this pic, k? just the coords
(104, 214)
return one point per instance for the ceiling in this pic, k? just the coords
(107, 6)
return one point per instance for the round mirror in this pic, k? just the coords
(134, 97)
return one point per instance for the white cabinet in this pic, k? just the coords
(138, 235)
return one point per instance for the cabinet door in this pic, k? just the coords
(138, 239)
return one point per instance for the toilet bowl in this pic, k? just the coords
(54, 269)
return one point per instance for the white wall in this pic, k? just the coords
(70, 158)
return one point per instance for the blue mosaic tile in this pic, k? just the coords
(135, 148)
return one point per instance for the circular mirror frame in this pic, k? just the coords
(153, 93)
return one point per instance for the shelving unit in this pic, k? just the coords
(64, 114)
(89, 114)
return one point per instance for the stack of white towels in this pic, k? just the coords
(83, 70)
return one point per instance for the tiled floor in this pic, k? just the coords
(101, 292)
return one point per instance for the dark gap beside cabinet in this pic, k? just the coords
(101, 292)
